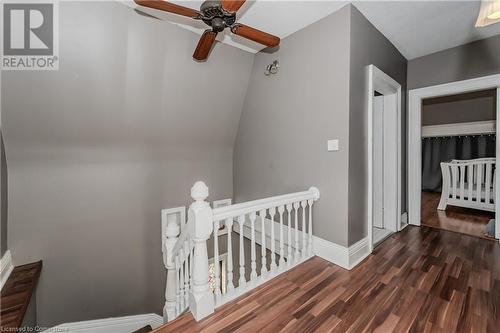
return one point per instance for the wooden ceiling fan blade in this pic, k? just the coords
(204, 45)
(169, 7)
(232, 6)
(256, 35)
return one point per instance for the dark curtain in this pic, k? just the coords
(440, 149)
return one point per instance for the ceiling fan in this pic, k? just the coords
(218, 15)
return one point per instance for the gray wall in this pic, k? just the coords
(319, 94)
(288, 117)
(3, 198)
(440, 111)
(368, 46)
(463, 62)
(96, 149)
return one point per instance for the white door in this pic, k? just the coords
(390, 159)
(378, 162)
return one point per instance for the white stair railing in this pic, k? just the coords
(277, 231)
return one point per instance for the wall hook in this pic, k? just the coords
(272, 68)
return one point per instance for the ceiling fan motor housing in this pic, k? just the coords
(215, 16)
(218, 15)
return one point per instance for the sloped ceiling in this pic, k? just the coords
(416, 28)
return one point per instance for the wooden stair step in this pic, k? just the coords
(16, 295)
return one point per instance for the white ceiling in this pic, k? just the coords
(416, 28)
(280, 18)
(419, 28)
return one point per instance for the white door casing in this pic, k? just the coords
(385, 85)
(414, 159)
(497, 185)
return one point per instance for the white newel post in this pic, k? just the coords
(172, 233)
(201, 299)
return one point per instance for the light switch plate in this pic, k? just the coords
(333, 145)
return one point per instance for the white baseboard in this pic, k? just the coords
(358, 252)
(6, 267)
(404, 218)
(111, 325)
(345, 257)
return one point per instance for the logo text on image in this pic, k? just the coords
(30, 36)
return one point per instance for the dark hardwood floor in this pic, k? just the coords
(418, 280)
(16, 295)
(463, 220)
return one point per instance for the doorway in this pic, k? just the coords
(458, 162)
(384, 156)
(416, 98)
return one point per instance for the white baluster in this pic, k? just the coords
(187, 286)
(263, 268)
(296, 206)
(304, 239)
(310, 232)
(201, 299)
(316, 195)
(281, 209)
(182, 292)
(487, 186)
(191, 262)
(230, 284)
(493, 195)
(289, 234)
(171, 233)
(454, 180)
(253, 273)
(217, 291)
(462, 182)
(479, 182)
(470, 181)
(178, 286)
(242, 281)
(272, 212)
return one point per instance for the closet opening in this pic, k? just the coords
(459, 163)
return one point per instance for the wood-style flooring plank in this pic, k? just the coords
(419, 280)
(458, 219)
(16, 295)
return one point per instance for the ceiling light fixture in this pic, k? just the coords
(489, 13)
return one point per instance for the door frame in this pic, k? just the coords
(414, 160)
(384, 84)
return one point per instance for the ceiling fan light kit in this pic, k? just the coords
(218, 15)
(489, 13)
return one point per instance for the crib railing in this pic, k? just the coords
(277, 231)
(469, 183)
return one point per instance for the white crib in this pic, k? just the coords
(469, 183)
